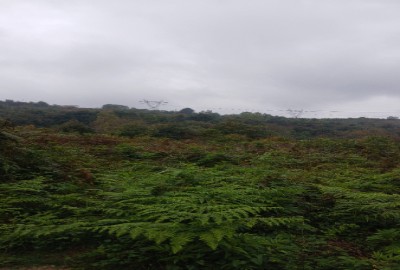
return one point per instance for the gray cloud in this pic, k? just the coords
(205, 54)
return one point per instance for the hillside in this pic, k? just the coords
(125, 188)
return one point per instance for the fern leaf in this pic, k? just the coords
(136, 232)
(209, 239)
(179, 241)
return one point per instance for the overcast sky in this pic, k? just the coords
(332, 55)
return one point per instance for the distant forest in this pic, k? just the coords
(125, 188)
(186, 123)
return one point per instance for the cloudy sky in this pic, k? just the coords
(259, 55)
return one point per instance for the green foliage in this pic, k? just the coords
(75, 126)
(175, 131)
(133, 130)
(197, 191)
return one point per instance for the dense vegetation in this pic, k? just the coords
(120, 188)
